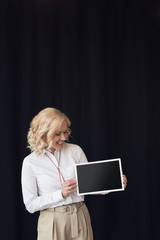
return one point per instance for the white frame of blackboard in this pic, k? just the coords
(98, 162)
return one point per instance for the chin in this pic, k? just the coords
(59, 147)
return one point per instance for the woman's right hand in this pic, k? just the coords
(68, 187)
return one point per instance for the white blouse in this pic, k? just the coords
(41, 185)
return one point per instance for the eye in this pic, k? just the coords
(57, 134)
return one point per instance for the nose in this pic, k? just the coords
(63, 137)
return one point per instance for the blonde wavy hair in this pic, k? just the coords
(43, 127)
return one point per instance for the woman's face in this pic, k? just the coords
(60, 137)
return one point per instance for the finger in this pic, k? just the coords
(125, 181)
(125, 184)
(67, 192)
(69, 182)
(124, 177)
(70, 185)
(68, 188)
(72, 190)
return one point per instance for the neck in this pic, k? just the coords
(52, 150)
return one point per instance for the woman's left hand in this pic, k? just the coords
(124, 181)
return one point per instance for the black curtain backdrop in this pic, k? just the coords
(97, 61)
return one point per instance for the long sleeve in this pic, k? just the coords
(81, 156)
(32, 201)
(83, 159)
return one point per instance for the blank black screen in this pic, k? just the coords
(103, 176)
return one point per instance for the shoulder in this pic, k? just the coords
(75, 151)
(72, 147)
(29, 159)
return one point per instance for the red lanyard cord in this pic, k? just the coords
(60, 174)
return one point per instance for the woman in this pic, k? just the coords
(48, 179)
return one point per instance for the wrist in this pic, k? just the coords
(62, 194)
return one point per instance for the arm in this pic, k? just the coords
(32, 201)
(82, 159)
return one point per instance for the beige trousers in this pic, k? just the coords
(69, 222)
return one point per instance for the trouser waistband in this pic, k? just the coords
(70, 208)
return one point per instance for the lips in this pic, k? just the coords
(60, 143)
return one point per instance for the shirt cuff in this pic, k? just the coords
(58, 196)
